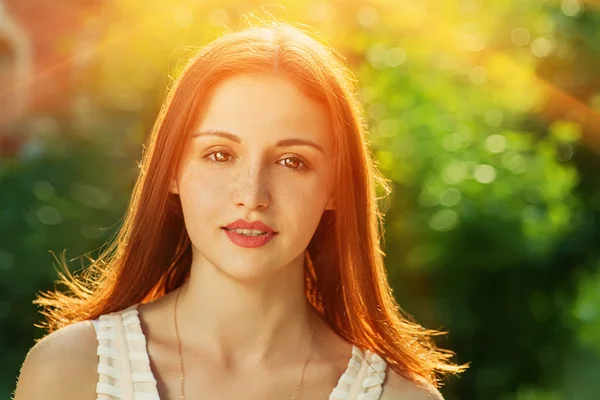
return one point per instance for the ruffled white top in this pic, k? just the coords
(124, 371)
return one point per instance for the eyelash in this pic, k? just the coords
(303, 166)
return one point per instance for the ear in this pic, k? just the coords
(330, 204)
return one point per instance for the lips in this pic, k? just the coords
(249, 241)
(243, 224)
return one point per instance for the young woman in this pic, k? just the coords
(249, 263)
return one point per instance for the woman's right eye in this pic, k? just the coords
(218, 157)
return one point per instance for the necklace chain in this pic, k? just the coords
(181, 365)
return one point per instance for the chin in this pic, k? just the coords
(247, 273)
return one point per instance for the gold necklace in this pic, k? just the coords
(181, 366)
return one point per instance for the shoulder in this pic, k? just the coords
(62, 365)
(397, 387)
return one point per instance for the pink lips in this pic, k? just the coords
(243, 224)
(249, 241)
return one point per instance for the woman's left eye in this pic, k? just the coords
(293, 163)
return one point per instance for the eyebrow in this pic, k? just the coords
(282, 143)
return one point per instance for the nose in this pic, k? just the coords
(252, 192)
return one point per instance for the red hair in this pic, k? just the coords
(346, 280)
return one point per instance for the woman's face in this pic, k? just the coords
(261, 152)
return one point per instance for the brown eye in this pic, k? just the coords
(293, 163)
(219, 157)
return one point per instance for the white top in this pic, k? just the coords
(124, 365)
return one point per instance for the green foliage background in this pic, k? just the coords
(493, 227)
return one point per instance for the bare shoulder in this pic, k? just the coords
(62, 365)
(396, 387)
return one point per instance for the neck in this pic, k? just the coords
(245, 323)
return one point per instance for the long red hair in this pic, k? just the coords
(346, 279)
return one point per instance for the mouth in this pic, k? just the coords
(249, 232)
(249, 228)
(249, 238)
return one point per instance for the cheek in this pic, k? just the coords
(201, 193)
(300, 201)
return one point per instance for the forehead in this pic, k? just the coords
(264, 106)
